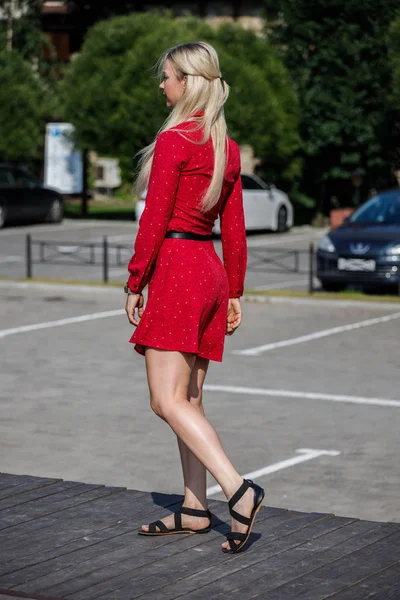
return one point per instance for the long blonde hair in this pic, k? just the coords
(205, 90)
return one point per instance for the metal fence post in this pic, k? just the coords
(296, 261)
(28, 255)
(85, 193)
(105, 259)
(311, 269)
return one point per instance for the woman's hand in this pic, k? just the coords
(133, 302)
(234, 316)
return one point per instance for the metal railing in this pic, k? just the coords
(101, 254)
(260, 259)
(278, 260)
(273, 260)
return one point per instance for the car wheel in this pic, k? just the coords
(2, 215)
(55, 213)
(332, 286)
(282, 219)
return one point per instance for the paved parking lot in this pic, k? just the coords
(306, 401)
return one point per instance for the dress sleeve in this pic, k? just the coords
(233, 237)
(169, 157)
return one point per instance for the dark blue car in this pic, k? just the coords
(365, 249)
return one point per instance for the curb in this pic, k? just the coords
(253, 298)
(43, 285)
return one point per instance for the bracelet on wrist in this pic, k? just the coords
(130, 292)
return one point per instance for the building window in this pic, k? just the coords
(100, 173)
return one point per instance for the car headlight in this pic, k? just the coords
(326, 245)
(393, 250)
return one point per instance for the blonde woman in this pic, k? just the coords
(192, 171)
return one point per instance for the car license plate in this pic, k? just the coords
(356, 264)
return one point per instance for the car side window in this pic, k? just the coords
(21, 178)
(248, 183)
(393, 212)
(6, 177)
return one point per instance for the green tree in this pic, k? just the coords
(336, 52)
(20, 30)
(22, 115)
(111, 93)
(394, 45)
(20, 27)
(263, 109)
(394, 53)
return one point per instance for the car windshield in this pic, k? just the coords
(380, 209)
(23, 177)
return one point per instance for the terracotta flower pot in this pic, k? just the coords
(338, 215)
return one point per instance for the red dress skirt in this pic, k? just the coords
(187, 303)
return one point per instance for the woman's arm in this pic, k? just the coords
(233, 237)
(169, 156)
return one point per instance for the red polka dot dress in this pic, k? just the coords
(188, 285)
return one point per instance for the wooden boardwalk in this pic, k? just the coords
(68, 540)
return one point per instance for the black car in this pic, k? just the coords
(365, 249)
(24, 198)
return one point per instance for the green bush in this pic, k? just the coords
(23, 109)
(111, 95)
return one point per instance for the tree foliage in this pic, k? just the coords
(336, 52)
(394, 53)
(27, 37)
(22, 115)
(111, 92)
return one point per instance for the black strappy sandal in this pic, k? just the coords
(194, 512)
(236, 535)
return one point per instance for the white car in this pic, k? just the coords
(265, 207)
(139, 206)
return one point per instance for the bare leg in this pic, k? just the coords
(194, 472)
(169, 375)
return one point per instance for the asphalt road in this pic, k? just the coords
(271, 262)
(319, 377)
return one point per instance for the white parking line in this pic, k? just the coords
(61, 322)
(10, 259)
(316, 335)
(304, 395)
(305, 454)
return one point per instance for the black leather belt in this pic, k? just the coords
(187, 235)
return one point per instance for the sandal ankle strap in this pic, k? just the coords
(247, 483)
(239, 493)
(195, 512)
